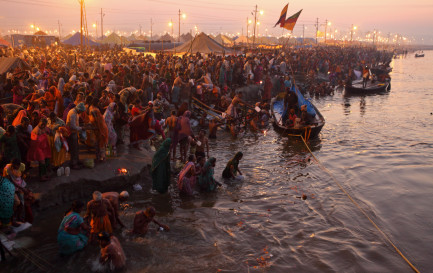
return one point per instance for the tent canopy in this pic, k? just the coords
(224, 40)
(3, 42)
(202, 44)
(9, 64)
(40, 32)
(185, 38)
(243, 40)
(76, 40)
(166, 37)
(114, 39)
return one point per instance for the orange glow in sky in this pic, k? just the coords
(390, 16)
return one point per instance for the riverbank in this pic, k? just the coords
(103, 177)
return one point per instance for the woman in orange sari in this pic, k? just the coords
(57, 140)
(100, 129)
(19, 117)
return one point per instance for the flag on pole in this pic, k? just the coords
(282, 16)
(290, 23)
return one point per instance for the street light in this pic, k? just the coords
(258, 24)
(96, 30)
(351, 32)
(184, 17)
(261, 12)
(170, 24)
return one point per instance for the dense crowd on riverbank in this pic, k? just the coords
(65, 99)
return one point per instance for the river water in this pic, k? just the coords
(380, 149)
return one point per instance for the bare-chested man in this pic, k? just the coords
(97, 213)
(115, 199)
(204, 144)
(142, 220)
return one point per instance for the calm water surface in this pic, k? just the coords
(379, 147)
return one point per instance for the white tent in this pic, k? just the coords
(224, 40)
(243, 40)
(76, 40)
(202, 44)
(166, 37)
(185, 38)
(114, 39)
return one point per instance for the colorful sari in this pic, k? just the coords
(19, 117)
(39, 146)
(59, 146)
(7, 194)
(109, 117)
(101, 131)
(186, 181)
(161, 167)
(141, 127)
(70, 243)
(206, 180)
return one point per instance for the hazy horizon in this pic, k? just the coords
(412, 20)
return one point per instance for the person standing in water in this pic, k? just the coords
(142, 220)
(161, 167)
(232, 168)
(112, 253)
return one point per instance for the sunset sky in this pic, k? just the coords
(408, 18)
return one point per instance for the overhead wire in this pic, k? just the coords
(384, 235)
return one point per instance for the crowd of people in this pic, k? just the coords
(65, 98)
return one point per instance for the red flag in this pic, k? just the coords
(282, 16)
(290, 23)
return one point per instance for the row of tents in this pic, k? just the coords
(115, 39)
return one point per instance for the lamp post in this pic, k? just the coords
(183, 16)
(95, 26)
(326, 27)
(351, 32)
(248, 23)
(170, 24)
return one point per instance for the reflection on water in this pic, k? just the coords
(382, 155)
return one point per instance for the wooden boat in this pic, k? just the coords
(312, 131)
(371, 88)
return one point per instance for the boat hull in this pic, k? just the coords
(372, 89)
(307, 132)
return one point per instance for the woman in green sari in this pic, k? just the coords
(72, 233)
(232, 168)
(7, 194)
(161, 167)
(206, 179)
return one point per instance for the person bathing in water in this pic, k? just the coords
(232, 168)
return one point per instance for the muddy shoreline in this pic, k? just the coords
(80, 184)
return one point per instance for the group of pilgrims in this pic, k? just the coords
(64, 99)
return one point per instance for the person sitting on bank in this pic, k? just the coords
(72, 233)
(142, 220)
(112, 254)
(232, 168)
(115, 199)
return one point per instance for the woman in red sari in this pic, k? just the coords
(142, 127)
(40, 148)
